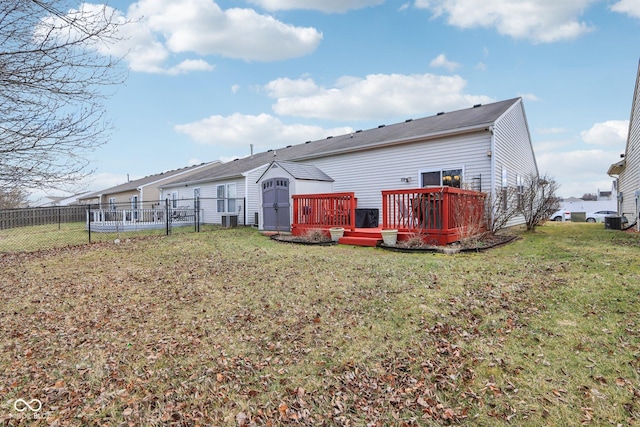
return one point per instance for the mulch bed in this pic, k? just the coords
(301, 240)
(486, 242)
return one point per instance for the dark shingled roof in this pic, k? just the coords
(302, 171)
(424, 128)
(133, 185)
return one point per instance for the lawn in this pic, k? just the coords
(230, 328)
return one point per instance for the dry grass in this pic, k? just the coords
(231, 328)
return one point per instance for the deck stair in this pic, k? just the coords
(361, 237)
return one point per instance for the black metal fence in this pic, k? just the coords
(44, 228)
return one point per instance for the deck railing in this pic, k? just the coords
(138, 218)
(326, 210)
(442, 214)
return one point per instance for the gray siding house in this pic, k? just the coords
(628, 169)
(485, 148)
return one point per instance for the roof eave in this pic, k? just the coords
(616, 168)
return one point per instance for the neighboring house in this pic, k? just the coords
(628, 169)
(144, 190)
(486, 148)
(60, 200)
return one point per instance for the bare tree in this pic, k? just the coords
(14, 198)
(54, 79)
(501, 209)
(537, 199)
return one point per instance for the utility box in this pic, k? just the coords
(229, 221)
(612, 222)
(578, 216)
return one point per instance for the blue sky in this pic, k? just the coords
(208, 78)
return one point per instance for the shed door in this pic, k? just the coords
(275, 204)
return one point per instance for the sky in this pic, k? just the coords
(209, 78)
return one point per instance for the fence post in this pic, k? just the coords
(166, 215)
(89, 221)
(196, 214)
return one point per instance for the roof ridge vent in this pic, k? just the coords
(329, 137)
(440, 113)
(381, 126)
(477, 105)
(359, 130)
(408, 120)
(308, 142)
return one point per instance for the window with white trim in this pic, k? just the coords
(112, 203)
(443, 177)
(220, 195)
(196, 198)
(231, 197)
(505, 184)
(520, 190)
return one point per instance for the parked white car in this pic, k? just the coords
(599, 216)
(561, 215)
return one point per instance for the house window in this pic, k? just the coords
(196, 198)
(231, 195)
(221, 196)
(505, 184)
(134, 206)
(112, 203)
(174, 200)
(520, 188)
(226, 194)
(443, 177)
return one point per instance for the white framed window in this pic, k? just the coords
(196, 198)
(112, 203)
(174, 200)
(520, 189)
(505, 184)
(221, 195)
(449, 177)
(226, 195)
(231, 197)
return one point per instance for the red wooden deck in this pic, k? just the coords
(440, 216)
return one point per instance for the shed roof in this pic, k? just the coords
(441, 124)
(300, 171)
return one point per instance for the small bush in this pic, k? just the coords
(315, 236)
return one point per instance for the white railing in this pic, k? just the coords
(139, 218)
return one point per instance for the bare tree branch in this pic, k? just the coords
(54, 79)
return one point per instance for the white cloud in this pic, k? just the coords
(264, 131)
(612, 132)
(542, 21)
(327, 6)
(159, 30)
(630, 7)
(442, 61)
(578, 172)
(581, 171)
(529, 96)
(373, 97)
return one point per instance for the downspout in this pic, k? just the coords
(492, 180)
